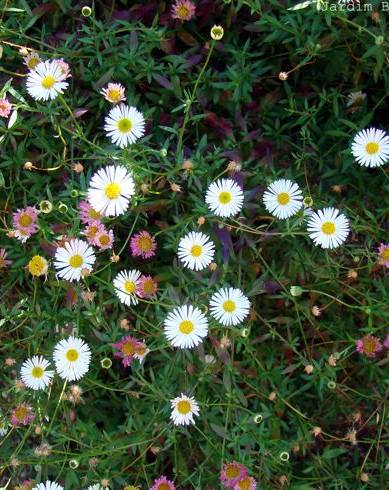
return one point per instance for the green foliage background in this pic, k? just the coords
(301, 129)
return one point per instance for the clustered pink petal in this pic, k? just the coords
(92, 230)
(232, 473)
(25, 223)
(4, 262)
(183, 10)
(143, 245)
(383, 254)
(162, 483)
(127, 348)
(5, 108)
(87, 214)
(104, 238)
(22, 415)
(386, 341)
(369, 346)
(147, 287)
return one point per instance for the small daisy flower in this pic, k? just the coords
(141, 352)
(5, 108)
(72, 357)
(185, 327)
(162, 483)
(38, 266)
(32, 60)
(104, 239)
(183, 410)
(114, 93)
(370, 147)
(231, 473)
(217, 33)
(87, 214)
(196, 250)
(147, 287)
(34, 373)
(369, 345)
(229, 306)
(143, 245)
(355, 98)
(92, 230)
(126, 284)
(328, 228)
(48, 485)
(46, 81)
(283, 198)
(4, 262)
(110, 189)
(127, 348)
(64, 67)
(74, 257)
(25, 221)
(124, 125)
(383, 254)
(224, 197)
(22, 415)
(247, 483)
(183, 10)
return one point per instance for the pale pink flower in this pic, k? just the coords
(64, 67)
(162, 483)
(383, 254)
(4, 262)
(22, 415)
(231, 473)
(92, 230)
(247, 483)
(128, 348)
(87, 214)
(183, 10)
(104, 238)
(24, 223)
(114, 93)
(5, 108)
(369, 345)
(143, 245)
(146, 287)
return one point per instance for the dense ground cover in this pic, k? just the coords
(295, 389)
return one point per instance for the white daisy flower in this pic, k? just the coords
(229, 306)
(34, 373)
(185, 326)
(46, 81)
(283, 198)
(97, 486)
(74, 257)
(328, 228)
(49, 485)
(370, 147)
(110, 189)
(125, 284)
(72, 357)
(183, 409)
(224, 197)
(196, 251)
(124, 125)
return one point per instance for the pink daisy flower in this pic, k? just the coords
(87, 214)
(147, 287)
(383, 254)
(247, 483)
(114, 93)
(22, 415)
(64, 67)
(5, 108)
(24, 222)
(128, 348)
(369, 345)
(4, 263)
(92, 230)
(232, 473)
(104, 238)
(143, 245)
(183, 10)
(162, 483)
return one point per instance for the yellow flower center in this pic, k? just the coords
(196, 250)
(125, 125)
(25, 220)
(372, 148)
(128, 349)
(37, 266)
(283, 198)
(104, 240)
(163, 486)
(20, 413)
(2, 262)
(48, 82)
(328, 228)
(130, 287)
(369, 345)
(229, 306)
(76, 261)
(225, 197)
(72, 355)
(140, 350)
(232, 471)
(183, 407)
(32, 62)
(186, 327)
(384, 254)
(149, 286)
(92, 230)
(114, 95)
(113, 190)
(94, 214)
(244, 484)
(37, 372)
(145, 244)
